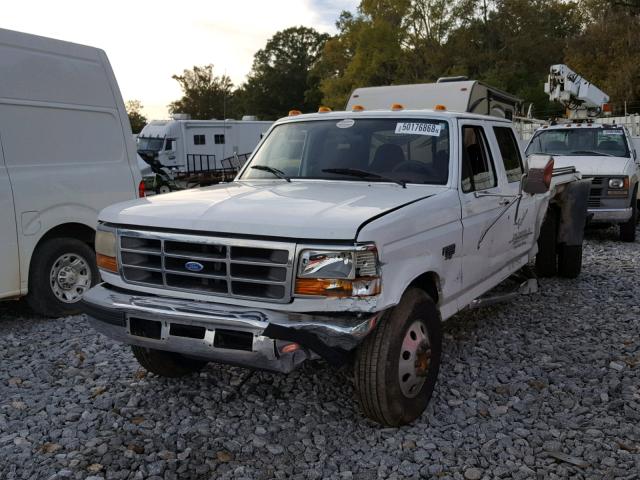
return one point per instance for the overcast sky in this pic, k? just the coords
(148, 41)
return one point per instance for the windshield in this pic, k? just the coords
(399, 150)
(154, 144)
(580, 141)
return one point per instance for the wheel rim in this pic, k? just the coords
(415, 359)
(70, 277)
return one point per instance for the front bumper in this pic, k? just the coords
(609, 215)
(111, 311)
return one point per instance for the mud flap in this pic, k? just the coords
(573, 212)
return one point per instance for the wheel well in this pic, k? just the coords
(430, 283)
(73, 230)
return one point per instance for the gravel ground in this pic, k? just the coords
(544, 387)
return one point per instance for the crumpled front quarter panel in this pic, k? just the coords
(410, 242)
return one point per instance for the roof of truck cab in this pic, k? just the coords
(387, 113)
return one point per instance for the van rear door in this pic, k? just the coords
(9, 273)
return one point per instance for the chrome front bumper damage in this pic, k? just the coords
(272, 334)
(606, 215)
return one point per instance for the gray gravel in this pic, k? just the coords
(545, 387)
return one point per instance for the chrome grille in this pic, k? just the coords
(597, 191)
(240, 268)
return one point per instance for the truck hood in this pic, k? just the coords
(595, 164)
(320, 210)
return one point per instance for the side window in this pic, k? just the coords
(478, 172)
(510, 152)
(218, 139)
(169, 144)
(199, 140)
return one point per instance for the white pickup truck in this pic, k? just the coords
(348, 235)
(604, 153)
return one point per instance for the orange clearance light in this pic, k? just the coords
(324, 110)
(107, 263)
(357, 108)
(440, 108)
(293, 113)
(397, 106)
(606, 107)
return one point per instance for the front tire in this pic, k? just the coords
(397, 365)
(166, 364)
(62, 270)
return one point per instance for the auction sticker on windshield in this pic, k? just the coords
(346, 123)
(613, 132)
(412, 128)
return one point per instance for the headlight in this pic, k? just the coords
(106, 250)
(339, 273)
(325, 264)
(617, 183)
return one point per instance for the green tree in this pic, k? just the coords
(282, 75)
(204, 95)
(136, 117)
(606, 52)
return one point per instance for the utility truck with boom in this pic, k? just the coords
(348, 236)
(602, 152)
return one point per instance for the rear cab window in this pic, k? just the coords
(510, 153)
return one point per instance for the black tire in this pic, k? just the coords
(628, 229)
(569, 261)
(546, 259)
(377, 362)
(41, 297)
(166, 364)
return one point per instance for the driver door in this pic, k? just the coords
(9, 254)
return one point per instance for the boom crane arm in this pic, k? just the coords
(580, 98)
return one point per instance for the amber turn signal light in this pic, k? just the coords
(107, 263)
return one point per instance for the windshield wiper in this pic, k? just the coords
(274, 171)
(354, 172)
(591, 152)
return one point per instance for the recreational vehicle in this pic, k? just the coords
(457, 93)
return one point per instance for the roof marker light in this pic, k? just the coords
(293, 113)
(440, 108)
(357, 108)
(397, 106)
(324, 110)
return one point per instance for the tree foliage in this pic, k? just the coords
(204, 95)
(283, 75)
(136, 117)
(509, 44)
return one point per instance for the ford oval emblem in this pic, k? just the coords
(194, 266)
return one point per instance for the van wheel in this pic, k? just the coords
(396, 366)
(166, 364)
(570, 261)
(628, 229)
(62, 270)
(546, 259)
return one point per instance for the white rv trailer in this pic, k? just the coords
(457, 94)
(196, 146)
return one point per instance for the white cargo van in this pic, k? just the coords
(66, 152)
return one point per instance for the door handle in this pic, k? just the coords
(504, 202)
